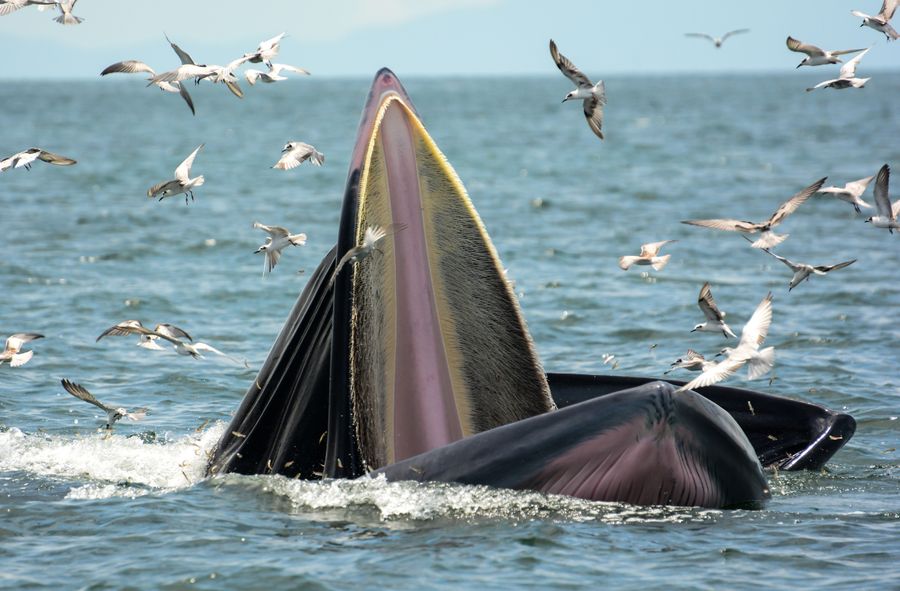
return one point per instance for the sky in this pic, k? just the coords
(339, 38)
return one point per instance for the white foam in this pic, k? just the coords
(109, 461)
(404, 501)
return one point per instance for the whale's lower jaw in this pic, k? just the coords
(420, 351)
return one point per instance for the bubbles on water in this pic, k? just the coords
(113, 464)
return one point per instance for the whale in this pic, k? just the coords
(415, 363)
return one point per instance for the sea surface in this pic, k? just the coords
(84, 248)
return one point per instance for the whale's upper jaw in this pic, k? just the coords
(430, 345)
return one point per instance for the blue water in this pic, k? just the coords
(84, 248)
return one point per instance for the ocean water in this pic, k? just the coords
(85, 248)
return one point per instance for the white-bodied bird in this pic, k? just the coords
(26, 158)
(649, 256)
(767, 237)
(279, 238)
(692, 361)
(273, 75)
(113, 414)
(846, 77)
(593, 96)
(816, 56)
(371, 237)
(715, 318)
(293, 154)
(851, 192)
(12, 351)
(881, 21)
(887, 212)
(182, 183)
(717, 41)
(802, 271)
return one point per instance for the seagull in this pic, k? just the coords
(293, 154)
(693, 361)
(12, 351)
(273, 75)
(880, 22)
(182, 183)
(112, 414)
(846, 77)
(371, 237)
(803, 271)
(136, 67)
(66, 17)
(170, 333)
(715, 319)
(593, 95)
(279, 238)
(887, 213)
(746, 353)
(851, 192)
(648, 256)
(27, 157)
(717, 41)
(767, 238)
(147, 337)
(10, 6)
(266, 51)
(816, 56)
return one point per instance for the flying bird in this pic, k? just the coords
(816, 56)
(113, 414)
(851, 192)
(846, 77)
(693, 361)
(12, 352)
(767, 237)
(880, 22)
(136, 67)
(279, 238)
(293, 154)
(147, 337)
(715, 318)
(717, 41)
(593, 96)
(26, 158)
(182, 183)
(371, 237)
(170, 333)
(266, 51)
(10, 6)
(273, 75)
(746, 353)
(887, 213)
(649, 256)
(802, 271)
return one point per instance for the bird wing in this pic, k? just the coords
(269, 44)
(183, 172)
(211, 349)
(287, 161)
(273, 255)
(710, 38)
(859, 13)
(11, 6)
(276, 68)
(724, 224)
(859, 186)
(848, 70)
(15, 341)
(734, 32)
(882, 201)
(52, 158)
(273, 231)
(235, 88)
(757, 328)
(714, 374)
(126, 327)
(128, 67)
(846, 51)
(887, 9)
(20, 359)
(80, 392)
(651, 249)
(798, 46)
(172, 331)
(792, 265)
(822, 269)
(791, 205)
(593, 112)
(182, 54)
(568, 68)
(137, 414)
(708, 304)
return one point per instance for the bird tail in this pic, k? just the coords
(626, 262)
(761, 364)
(297, 239)
(769, 239)
(68, 19)
(199, 181)
(317, 158)
(660, 262)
